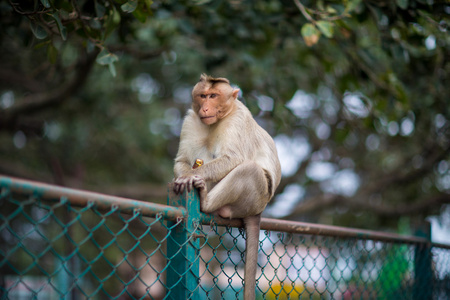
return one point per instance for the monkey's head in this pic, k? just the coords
(213, 99)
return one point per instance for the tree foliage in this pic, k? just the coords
(354, 92)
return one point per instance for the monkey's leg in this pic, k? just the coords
(243, 192)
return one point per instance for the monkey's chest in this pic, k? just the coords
(203, 150)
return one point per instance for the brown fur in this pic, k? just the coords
(241, 168)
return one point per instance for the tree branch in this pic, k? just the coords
(39, 101)
(302, 9)
(400, 177)
(17, 9)
(322, 202)
(353, 56)
(10, 77)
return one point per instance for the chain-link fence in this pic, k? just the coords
(58, 243)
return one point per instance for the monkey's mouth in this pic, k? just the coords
(208, 120)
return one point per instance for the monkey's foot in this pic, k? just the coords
(200, 184)
(225, 212)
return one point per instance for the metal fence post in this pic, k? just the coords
(183, 250)
(423, 273)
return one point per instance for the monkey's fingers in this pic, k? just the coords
(199, 183)
(189, 184)
(178, 186)
(175, 188)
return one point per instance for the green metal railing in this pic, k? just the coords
(59, 243)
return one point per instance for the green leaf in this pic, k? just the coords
(46, 3)
(52, 53)
(310, 34)
(62, 29)
(331, 10)
(403, 4)
(129, 6)
(105, 57)
(95, 24)
(116, 16)
(309, 30)
(148, 4)
(326, 28)
(352, 5)
(39, 32)
(112, 21)
(140, 15)
(99, 9)
(42, 44)
(112, 69)
(90, 46)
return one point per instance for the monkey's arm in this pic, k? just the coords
(216, 169)
(188, 142)
(212, 171)
(182, 167)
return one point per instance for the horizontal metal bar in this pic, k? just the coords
(336, 231)
(82, 198)
(318, 229)
(440, 245)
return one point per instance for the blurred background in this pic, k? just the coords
(355, 94)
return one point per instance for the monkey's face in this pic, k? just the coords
(211, 103)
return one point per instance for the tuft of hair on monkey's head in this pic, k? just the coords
(213, 80)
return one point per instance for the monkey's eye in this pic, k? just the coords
(213, 96)
(203, 96)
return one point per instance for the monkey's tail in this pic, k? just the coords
(252, 225)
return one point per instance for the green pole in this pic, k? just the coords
(183, 249)
(423, 273)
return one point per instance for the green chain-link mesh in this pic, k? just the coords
(55, 250)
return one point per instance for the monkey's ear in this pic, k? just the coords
(236, 93)
(203, 77)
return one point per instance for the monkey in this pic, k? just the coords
(240, 169)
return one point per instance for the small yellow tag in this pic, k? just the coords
(198, 163)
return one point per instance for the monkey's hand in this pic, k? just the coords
(188, 183)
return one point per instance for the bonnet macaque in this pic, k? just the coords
(230, 159)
